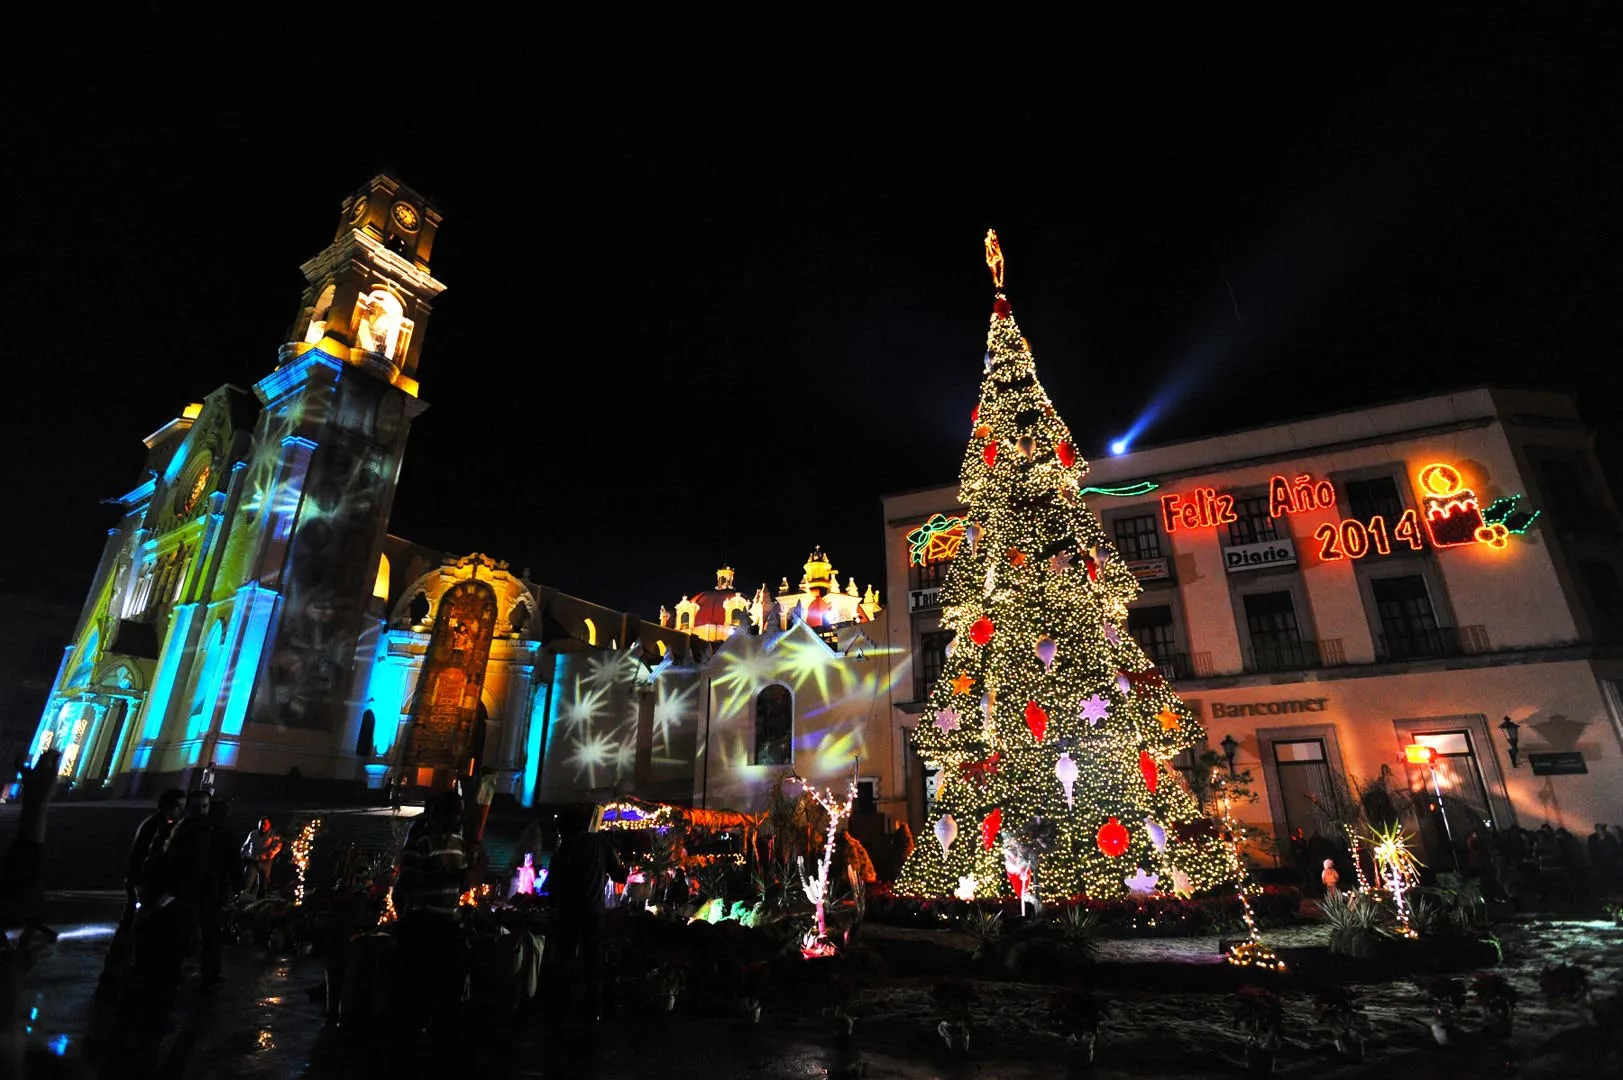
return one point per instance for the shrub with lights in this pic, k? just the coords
(1051, 731)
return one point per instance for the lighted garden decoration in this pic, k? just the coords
(301, 856)
(816, 942)
(1397, 869)
(1048, 723)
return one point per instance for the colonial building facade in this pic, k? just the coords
(1329, 592)
(253, 621)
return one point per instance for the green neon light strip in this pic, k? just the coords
(1143, 487)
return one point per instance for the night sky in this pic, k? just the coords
(709, 314)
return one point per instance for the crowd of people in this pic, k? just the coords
(1534, 867)
(188, 867)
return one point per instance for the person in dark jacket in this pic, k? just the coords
(222, 871)
(434, 873)
(171, 896)
(149, 837)
(576, 883)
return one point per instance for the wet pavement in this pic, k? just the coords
(269, 1021)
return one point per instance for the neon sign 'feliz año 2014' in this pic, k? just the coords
(1206, 508)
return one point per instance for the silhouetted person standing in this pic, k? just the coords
(150, 836)
(427, 894)
(170, 900)
(576, 883)
(222, 871)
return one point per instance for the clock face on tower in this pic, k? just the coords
(405, 216)
(358, 211)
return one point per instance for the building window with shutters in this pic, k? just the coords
(1138, 537)
(1408, 619)
(1375, 497)
(932, 660)
(1152, 627)
(1276, 636)
(1252, 523)
(1307, 789)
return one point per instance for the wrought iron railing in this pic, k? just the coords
(1419, 643)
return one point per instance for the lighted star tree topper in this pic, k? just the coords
(1051, 731)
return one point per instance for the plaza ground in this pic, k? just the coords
(1169, 1018)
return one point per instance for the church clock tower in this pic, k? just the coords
(338, 409)
(238, 608)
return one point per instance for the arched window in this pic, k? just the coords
(419, 608)
(774, 726)
(735, 617)
(380, 324)
(380, 584)
(684, 621)
(318, 316)
(363, 739)
(591, 632)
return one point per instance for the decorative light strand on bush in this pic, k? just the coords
(1396, 866)
(1250, 952)
(301, 856)
(389, 913)
(816, 942)
(1357, 858)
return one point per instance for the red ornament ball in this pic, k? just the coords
(1067, 454)
(1113, 838)
(989, 454)
(1001, 308)
(981, 631)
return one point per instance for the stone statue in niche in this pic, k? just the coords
(519, 617)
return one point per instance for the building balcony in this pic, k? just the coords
(1296, 655)
(1174, 666)
(1423, 644)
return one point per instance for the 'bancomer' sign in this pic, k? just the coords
(1268, 708)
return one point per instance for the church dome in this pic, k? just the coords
(722, 607)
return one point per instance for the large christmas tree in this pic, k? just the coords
(1050, 728)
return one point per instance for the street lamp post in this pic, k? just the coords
(1418, 754)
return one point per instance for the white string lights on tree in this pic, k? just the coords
(1046, 709)
(816, 942)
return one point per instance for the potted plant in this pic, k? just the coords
(1447, 997)
(1354, 921)
(1260, 1014)
(1077, 1015)
(985, 927)
(1497, 997)
(1339, 1008)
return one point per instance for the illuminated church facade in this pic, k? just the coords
(252, 621)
